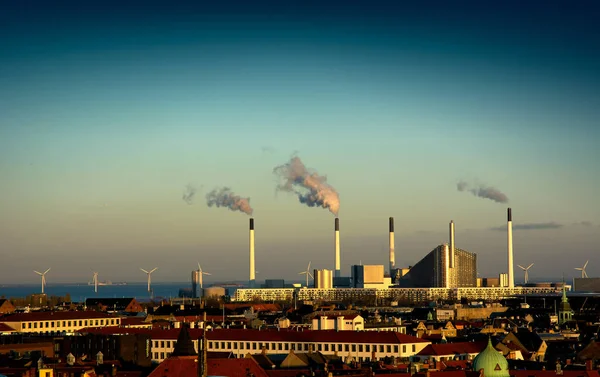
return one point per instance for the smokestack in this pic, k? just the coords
(451, 243)
(511, 274)
(337, 248)
(392, 247)
(252, 267)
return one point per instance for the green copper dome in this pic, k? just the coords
(492, 362)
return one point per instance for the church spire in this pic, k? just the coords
(184, 345)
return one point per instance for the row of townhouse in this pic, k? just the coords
(60, 322)
(351, 345)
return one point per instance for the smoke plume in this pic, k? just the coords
(530, 226)
(486, 192)
(311, 188)
(224, 197)
(188, 194)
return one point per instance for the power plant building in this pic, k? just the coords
(369, 276)
(323, 279)
(433, 271)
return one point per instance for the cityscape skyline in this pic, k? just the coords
(118, 123)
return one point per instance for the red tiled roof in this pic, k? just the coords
(452, 348)
(187, 366)
(310, 336)
(55, 316)
(5, 328)
(182, 366)
(552, 373)
(234, 368)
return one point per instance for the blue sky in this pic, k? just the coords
(109, 111)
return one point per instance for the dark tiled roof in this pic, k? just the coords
(184, 345)
(453, 348)
(324, 336)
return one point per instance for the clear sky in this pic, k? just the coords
(108, 111)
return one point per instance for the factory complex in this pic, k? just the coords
(445, 273)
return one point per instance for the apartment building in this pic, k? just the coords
(60, 322)
(352, 345)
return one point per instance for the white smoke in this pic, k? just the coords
(224, 197)
(311, 188)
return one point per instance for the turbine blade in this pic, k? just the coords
(45, 272)
(311, 275)
(37, 272)
(206, 273)
(585, 265)
(302, 273)
(521, 267)
(579, 268)
(155, 268)
(531, 265)
(143, 270)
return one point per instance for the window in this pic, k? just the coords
(69, 323)
(228, 345)
(327, 347)
(414, 348)
(64, 324)
(360, 348)
(52, 324)
(86, 322)
(286, 346)
(162, 355)
(162, 344)
(247, 345)
(396, 349)
(346, 347)
(35, 325)
(368, 348)
(155, 355)
(253, 345)
(404, 349)
(388, 348)
(217, 345)
(280, 345)
(210, 345)
(319, 347)
(29, 325)
(381, 348)
(235, 345)
(80, 323)
(354, 348)
(222, 345)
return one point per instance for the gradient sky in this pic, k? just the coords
(107, 112)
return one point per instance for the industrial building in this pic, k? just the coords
(369, 276)
(586, 284)
(434, 270)
(323, 279)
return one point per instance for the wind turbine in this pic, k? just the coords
(95, 280)
(43, 275)
(582, 269)
(200, 273)
(526, 269)
(307, 273)
(149, 276)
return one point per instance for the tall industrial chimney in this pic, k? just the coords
(511, 273)
(337, 247)
(252, 267)
(392, 247)
(451, 243)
